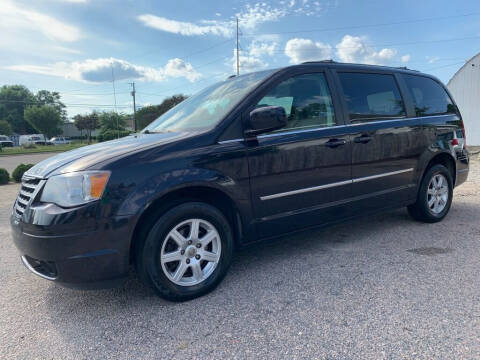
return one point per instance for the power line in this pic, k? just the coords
(402, 22)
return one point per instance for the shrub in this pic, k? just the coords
(19, 171)
(112, 135)
(4, 176)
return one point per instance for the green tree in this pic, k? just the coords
(45, 97)
(149, 113)
(5, 128)
(112, 121)
(13, 101)
(87, 122)
(44, 118)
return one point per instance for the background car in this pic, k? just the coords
(60, 141)
(33, 139)
(5, 141)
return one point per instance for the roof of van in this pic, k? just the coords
(357, 66)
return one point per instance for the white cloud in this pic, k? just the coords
(250, 17)
(15, 17)
(356, 49)
(186, 28)
(405, 58)
(432, 59)
(259, 48)
(100, 70)
(300, 50)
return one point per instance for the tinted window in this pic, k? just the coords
(306, 100)
(429, 97)
(371, 96)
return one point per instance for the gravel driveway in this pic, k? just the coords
(384, 287)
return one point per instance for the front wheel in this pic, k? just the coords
(187, 252)
(434, 196)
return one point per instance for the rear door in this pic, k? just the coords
(299, 175)
(386, 144)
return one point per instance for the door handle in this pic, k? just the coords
(362, 139)
(333, 143)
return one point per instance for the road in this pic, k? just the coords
(384, 287)
(10, 162)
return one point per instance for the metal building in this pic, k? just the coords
(465, 88)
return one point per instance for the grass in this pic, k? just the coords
(18, 150)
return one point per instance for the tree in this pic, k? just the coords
(112, 121)
(45, 97)
(5, 128)
(87, 122)
(44, 118)
(149, 113)
(13, 101)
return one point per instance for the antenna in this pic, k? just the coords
(134, 107)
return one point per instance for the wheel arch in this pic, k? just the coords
(445, 159)
(209, 195)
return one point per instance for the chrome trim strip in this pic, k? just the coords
(299, 191)
(347, 125)
(266, 136)
(30, 267)
(230, 141)
(326, 186)
(381, 175)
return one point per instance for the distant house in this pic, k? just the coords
(465, 88)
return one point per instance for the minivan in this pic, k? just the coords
(254, 157)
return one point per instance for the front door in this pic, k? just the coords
(300, 174)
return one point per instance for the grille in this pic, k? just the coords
(27, 191)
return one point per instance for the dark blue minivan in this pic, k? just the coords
(254, 157)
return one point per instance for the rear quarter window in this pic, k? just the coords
(428, 96)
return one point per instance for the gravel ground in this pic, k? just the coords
(10, 162)
(386, 288)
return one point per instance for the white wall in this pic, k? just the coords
(465, 88)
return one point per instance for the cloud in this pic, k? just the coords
(356, 49)
(405, 58)
(301, 50)
(15, 17)
(212, 27)
(432, 59)
(259, 48)
(250, 17)
(100, 70)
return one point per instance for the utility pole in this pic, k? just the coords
(134, 108)
(238, 59)
(115, 99)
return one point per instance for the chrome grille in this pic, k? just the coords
(27, 192)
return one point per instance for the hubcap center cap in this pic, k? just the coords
(191, 251)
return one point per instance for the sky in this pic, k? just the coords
(76, 47)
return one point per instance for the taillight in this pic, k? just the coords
(454, 142)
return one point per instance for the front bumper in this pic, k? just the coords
(95, 258)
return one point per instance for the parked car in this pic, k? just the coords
(250, 158)
(33, 139)
(60, 141)
(5, 141)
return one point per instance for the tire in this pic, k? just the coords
(165, 251)
(423, 210)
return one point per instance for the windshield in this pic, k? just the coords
(205, 109)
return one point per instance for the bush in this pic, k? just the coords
(19, 171)
(112, 135)
(4, 176)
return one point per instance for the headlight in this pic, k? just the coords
(73, 189)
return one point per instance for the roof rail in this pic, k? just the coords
(319, 61)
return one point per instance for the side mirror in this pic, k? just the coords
(266, 119)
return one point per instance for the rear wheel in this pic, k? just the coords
(434, 196)
(187, 252)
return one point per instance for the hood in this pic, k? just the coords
(87, 156)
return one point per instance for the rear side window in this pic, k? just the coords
(372, 96)
(429, 97)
